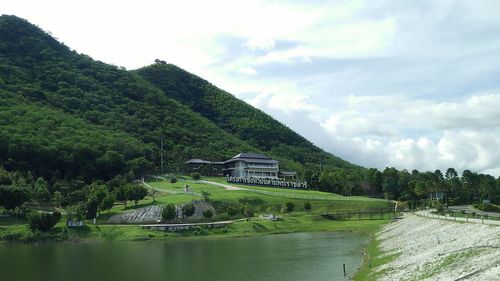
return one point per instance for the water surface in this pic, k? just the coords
(298, 256)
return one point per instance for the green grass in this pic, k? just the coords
(446, 262)
(374, 257)
(262, 199)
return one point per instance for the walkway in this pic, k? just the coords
(185, 226)
(226, 186)
(427, 214)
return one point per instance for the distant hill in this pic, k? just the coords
(237, 117)
(65, 115)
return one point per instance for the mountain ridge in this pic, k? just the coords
(42, 77)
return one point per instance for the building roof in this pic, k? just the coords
(284, 173)
(201, 161)
(253, 157)
(197, 161)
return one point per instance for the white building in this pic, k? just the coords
(251, 165)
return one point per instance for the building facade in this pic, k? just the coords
(251, 165)
(243, 165)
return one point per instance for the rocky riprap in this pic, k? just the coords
(151, 214)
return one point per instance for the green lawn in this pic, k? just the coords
(262, 200)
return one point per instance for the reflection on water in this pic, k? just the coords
(299, 256)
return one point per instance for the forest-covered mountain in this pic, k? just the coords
(64, 115)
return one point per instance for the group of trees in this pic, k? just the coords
(17, 188)
(393, 184)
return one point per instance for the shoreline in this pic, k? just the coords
(253, 228)
(420, 248)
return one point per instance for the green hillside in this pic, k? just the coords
(66, 115)
(237, 117)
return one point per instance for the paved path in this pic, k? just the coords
(427, 214)
(471, 209)
(226, 186)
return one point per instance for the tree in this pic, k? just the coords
(107, 203)
(57, 199)
(43, 221)
(451, 174)
(137, 193)
(208, 214)
(13, 197)
(122, 194)
(42, 193)
(168, 212)
(91, 207)
(248, 210)
(375, 180)
(196, 176)
(289, 206)
(307, 206)
(232, 211)
(188, 209)
(390, 185)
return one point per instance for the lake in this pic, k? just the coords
(298, 256)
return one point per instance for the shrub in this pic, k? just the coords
(307, 206)
(232, 211)
(440, 207)
(188, 210)
(248, 210)
(168, 212)
(208, 214)
(289, 207)
(205, 195)
(196, 176)
(487, 207)
(43, 221)
(173, 180)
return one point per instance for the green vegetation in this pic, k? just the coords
(43, 221)
(487, 207)
(447, 262)
(374, 257)
(188, 210)
(168, 212)
(289, 207)
(228, 204)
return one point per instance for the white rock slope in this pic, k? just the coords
(432, 249)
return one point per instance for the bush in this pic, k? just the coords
(232, 211)
(289, 207)
(208, 214)
(43, 221)
(168, 212)
(196, 176)
(248, 210)
(188, 210)
(173, 180)
(307, 206)
(487, 207)
(205, 195)
(440, 207)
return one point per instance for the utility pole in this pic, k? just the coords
(161, 154)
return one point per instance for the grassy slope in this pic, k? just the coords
(298, 221)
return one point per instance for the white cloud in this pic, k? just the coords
(379, 83)
(260, 43)
(467, 132)
(248, 70)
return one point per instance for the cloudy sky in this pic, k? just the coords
(409, 84)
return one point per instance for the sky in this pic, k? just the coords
(405, 84)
